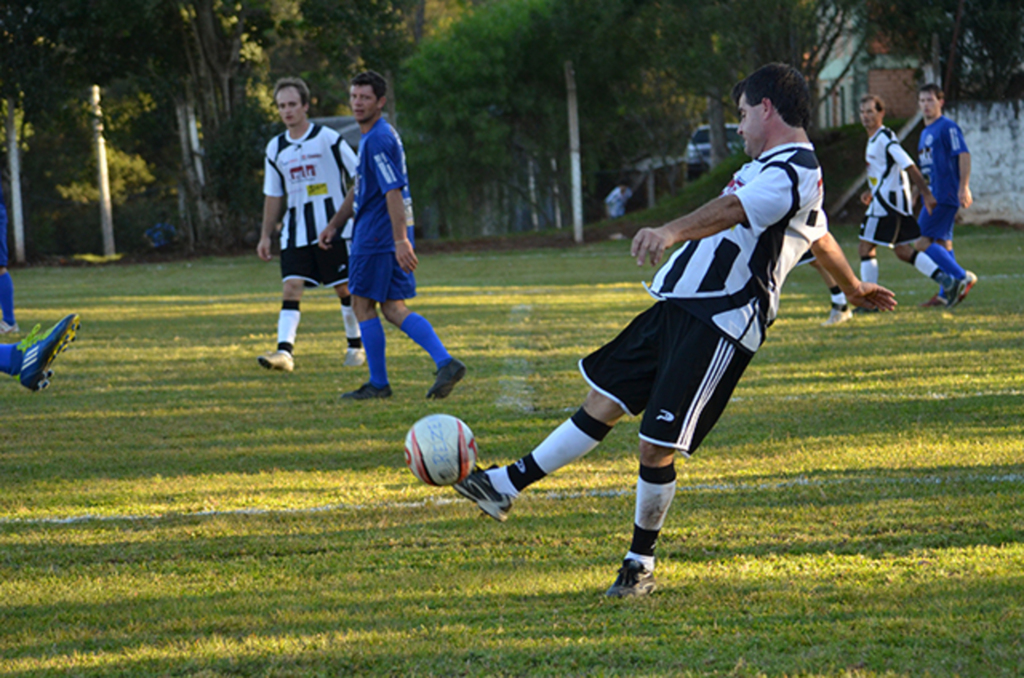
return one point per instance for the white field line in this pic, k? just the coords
(515, 392)
(698, 488)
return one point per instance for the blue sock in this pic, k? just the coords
(422, 332)
(7, 298)
(944, 260)
(374, 343)
(10, 359)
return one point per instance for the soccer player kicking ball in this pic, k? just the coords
(30, 358)
(679, 361)
(383, 259)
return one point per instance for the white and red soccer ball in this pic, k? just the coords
(440, 449)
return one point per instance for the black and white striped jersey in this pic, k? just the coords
(887, 176)
(313, 172)
(732, 280)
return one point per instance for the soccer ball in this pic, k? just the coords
(440, 449)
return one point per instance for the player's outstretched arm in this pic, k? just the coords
(868, 295)
(719, 214)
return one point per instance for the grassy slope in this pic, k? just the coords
(856, 512)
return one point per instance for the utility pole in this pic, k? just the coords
(574, 155)
(103, 178)
(14, 164)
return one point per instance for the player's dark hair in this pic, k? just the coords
(297, 83)
(374, 80)
(784, 86)
(873, 99)
(934, 89)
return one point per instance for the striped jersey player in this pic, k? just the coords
(307, 169)
(679, 361)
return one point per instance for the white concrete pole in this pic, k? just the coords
(556, 193)
(103, 179)
(17, 219)
(574, 155)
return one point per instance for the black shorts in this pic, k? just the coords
(677, 370)
(315, 266)
(891, 230)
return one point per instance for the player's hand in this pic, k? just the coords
(930, 203)
(405, 256)
(966, 199)
(263, 248)
(872, 296)
(326, 236)
(649, 242)
(865, 197)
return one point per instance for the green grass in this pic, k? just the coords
(168, 508)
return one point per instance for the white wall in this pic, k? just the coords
(995, 136)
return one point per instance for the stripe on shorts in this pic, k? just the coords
(724, 353)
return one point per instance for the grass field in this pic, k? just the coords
(168, 508)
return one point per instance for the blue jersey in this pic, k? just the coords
(941, 142)
(381, 169)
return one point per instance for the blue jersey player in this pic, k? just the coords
(946, 162)
(382, 259)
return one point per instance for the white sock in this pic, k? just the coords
(869, 270)
(499, 478)
(646, 561)
(839, 299)
(652, 503)
(564, 445)
(351, 323)
(287, 326)
(925, 264)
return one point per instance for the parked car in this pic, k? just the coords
(698, 151)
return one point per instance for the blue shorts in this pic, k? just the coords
(939, 224)
(379, 277)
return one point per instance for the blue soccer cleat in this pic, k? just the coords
(38, 352)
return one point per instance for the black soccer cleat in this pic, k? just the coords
(477, 487)
(368, 392)
(447, 377)
(633, 580)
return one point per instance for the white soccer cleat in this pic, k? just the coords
(9, 329)
(278, 360)
(355, 357)
(837, 316)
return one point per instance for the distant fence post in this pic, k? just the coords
(574, 155)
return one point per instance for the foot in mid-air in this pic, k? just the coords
(355, 357)
(277, 360)
(38, 351)
(838, 314)
(634, 580)
(477, 487)
(447, 377)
